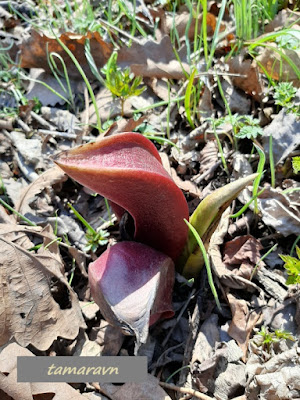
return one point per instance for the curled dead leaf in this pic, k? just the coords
(243, 322)
(249, 80)
(38, 304)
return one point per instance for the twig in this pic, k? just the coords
(64, 135)
(41, 120)
(192, 392)
(23, 125)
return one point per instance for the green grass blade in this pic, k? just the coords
(207, 264)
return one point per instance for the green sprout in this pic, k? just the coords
(269, 338)
(95, 238)
(284, 96)
(296, 164)
(292, 266)
(248, 127)
(121, 83)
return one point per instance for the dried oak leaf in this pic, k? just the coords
(243, 322)
(10, 389)
(34, 51)
(250, 81)
(38, 305)
(153, 59)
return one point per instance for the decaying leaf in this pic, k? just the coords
(278, 212)
(232, 277)
(242, 251)
(108, 107)
(278, 378)
(285, 18)
(208, 157)
(47, 179)
(249, 81)
(277, 66)
(38, 304)
(285, 131)
(34, 51)
(28, 390)
(148, 390)
(47, 97)
(243, 322)
(153, 59)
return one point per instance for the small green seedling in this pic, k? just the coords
(121, 83)
(296, 164)
(284, 96)
(269, 338)
(248, 127)
(292, 266)
(95, 238)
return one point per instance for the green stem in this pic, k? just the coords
(17, 213)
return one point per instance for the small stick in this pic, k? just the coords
(41, 120)
(190, 391)
(64, 135)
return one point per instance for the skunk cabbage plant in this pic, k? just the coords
(132, 281)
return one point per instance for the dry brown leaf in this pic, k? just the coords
(249, 81)
(243, 322)
(241, 249)
(26, 390)
(34, 51)
(47, 179)
(285, 131)
(153, 59)
(208, 157)
(159, 87)
(277, 66)
(124, 125)
(285, 18)
(18, 234)
(29, 311)
(148, 390)
(278, 212)
(231, 278)
(186, 186)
